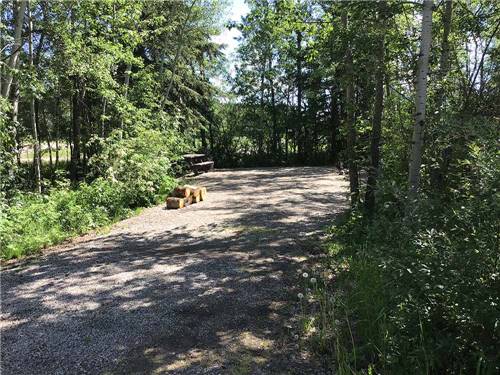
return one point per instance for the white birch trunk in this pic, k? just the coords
(16, 47)
(420, 101)
(36, 143)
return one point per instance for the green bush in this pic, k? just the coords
(137, 172)
(31, 222)
(141, 163)
(420, 291)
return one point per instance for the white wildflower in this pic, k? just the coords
(305, 275)
(300, 295)
(313, 280)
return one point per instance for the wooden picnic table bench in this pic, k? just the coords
(198, 162)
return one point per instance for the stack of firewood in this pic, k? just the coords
(185, 195)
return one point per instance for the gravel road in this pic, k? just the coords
(203, 290)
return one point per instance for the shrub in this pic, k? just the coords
(420, 292)
(140, 163)
(136, 172)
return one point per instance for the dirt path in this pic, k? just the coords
(203, 290)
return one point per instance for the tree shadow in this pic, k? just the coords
(180, 297)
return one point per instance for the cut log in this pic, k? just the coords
(196, 192)
(175, 202)
(196, 198)
(182, 191)
(203, 193)
(188, 200)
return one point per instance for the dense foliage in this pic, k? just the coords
(132, 172)
(421, 291)
(99, 104)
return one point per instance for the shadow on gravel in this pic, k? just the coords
(211, 299)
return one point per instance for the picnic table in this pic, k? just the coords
(198, 162)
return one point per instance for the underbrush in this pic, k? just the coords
(31, 222)
(135, 172)
(416, 292)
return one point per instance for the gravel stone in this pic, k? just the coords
(207, 289)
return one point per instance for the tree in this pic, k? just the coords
(378, 108)
(420, 101)
(20, 10)
(36, 144)
(349, 119)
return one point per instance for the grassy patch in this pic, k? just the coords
(27, 155)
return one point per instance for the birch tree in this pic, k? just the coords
(420, 101)
(36, 143)
(20, 6)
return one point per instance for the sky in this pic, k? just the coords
(236, 9)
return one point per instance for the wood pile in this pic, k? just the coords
(183, 196)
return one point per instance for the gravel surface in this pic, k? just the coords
(203, 290)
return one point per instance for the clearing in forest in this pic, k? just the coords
(208, 288)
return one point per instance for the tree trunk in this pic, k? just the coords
(15, 122)
(420, 102)
(335, 119)
(438, 174)
(49, 146)
(38, 125)
(20, 6)
(76, 131)
(351, 130)
(445, 44)
(286, 144)
(57, 150)
(262, 117)
(273, 115)
(57, 135)
(126, 83)
(299, 140)
(378, 109)
(36, 143)
(211, 139)
(203, 136)
(49, 140)
(86, 131)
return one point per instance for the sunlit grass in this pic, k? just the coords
(27, 154)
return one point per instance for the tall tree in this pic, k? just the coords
(437, 174)
(20, 11)
(349, 117)
(300, 124)
(34, 128)
(420, 101)
(378, 109)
